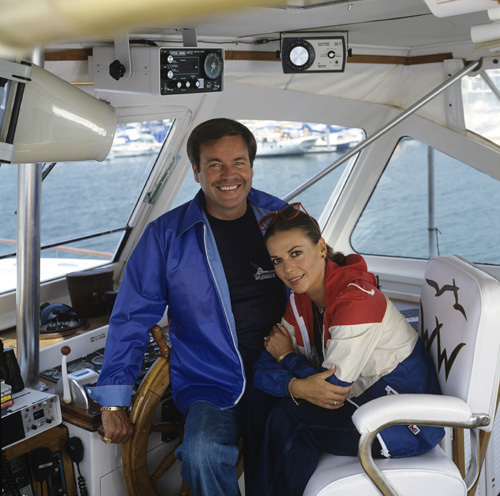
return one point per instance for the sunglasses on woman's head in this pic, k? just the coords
(289, 212)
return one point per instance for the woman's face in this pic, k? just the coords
(299, 263)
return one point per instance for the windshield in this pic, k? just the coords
(290, 153)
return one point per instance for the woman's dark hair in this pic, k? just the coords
(309, 227)
(215, 129)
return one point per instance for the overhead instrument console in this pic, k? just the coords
(313, 52)
(159, 70)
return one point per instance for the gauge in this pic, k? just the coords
(299, 55)
(213, 65)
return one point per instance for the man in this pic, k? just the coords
(207, 261)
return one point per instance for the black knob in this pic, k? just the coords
(116, 69)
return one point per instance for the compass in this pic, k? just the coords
(213, 65)
(298, 54)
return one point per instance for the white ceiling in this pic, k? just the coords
(385, 23)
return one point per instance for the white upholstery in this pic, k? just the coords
(460, 320)
(431, 473)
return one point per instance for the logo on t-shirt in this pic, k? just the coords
(261, 274)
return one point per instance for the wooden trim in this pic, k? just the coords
(68, 54)
(458, 450)
(429, 59)
(85, 53)
(259, 56)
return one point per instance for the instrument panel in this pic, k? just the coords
(313, 53)
(192, 70)
(158, 70)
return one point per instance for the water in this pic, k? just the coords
(467, 209)
(79, 199)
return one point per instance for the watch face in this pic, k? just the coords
(213, 65)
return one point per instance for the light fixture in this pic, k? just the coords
(45, 119)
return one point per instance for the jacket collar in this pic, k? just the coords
(260, 201)
(194, 213)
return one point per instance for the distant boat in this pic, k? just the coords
(338, 139)
(285, 146)
(124, 146)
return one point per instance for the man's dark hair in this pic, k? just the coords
(215, 129)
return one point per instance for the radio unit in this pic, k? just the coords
(161, 70)
(32, 412)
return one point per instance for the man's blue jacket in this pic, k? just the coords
(176, 263)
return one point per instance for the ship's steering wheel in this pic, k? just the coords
(138, 479)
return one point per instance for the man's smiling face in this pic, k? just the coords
(225, 176)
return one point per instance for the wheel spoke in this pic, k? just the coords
(164, 465)
(167, 427)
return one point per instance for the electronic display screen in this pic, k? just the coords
(188, 65)
(38, 414)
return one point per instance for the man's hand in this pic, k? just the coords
(278, 342)
(115, 426)
(317, 390)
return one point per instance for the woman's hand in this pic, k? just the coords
(317, 390)
(116, 426)
(278, 342)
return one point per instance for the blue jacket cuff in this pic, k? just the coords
(111, 395)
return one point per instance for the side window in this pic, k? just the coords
(86, 206)
(290, 153)
(427, 203)
(481, 101)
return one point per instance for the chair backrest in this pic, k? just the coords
(460, 325)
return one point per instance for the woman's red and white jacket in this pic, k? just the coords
(369, 341)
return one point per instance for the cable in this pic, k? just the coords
(82, 485)
(74, 448)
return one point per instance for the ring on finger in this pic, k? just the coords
(334, 402)
(106, 440)
(266, 338)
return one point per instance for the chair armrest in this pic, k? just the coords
(424, 409)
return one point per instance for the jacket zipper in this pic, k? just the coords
(225, 313)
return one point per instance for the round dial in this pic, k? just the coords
(213, 65)
(299, 55)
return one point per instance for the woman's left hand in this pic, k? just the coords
(278, 342)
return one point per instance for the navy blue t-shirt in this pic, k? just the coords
(257, 294)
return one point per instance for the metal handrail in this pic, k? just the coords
(427, 98)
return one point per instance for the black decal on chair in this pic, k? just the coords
(448, 287)
(442, 355)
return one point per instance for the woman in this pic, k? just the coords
(338, 329)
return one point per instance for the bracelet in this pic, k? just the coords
(289, 389)
(113, 408)
(283, 355)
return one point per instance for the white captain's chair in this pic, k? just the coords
(460, 325)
